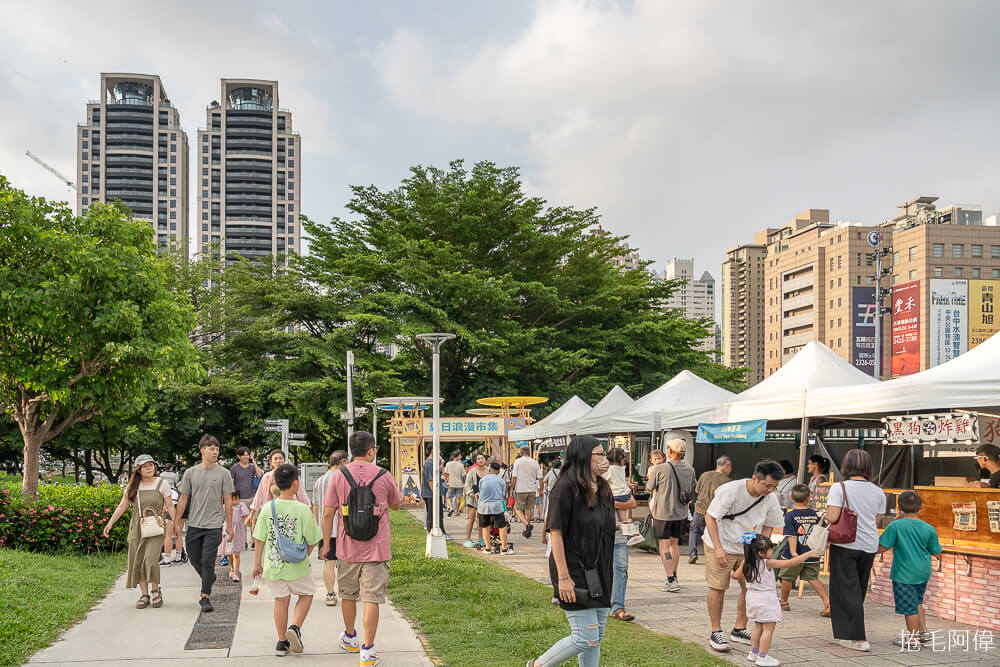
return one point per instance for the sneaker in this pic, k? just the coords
(509, 551)
(177, 558)
(165, 560)
(450, 512)
(206, 605)
(527, 530)
(692, 559)
(448, 537)
(717, 641)
(752, 655)
(671, 586)
(634, 540)
(860, 645)
(368, 657)
(486, 550)
(768, 661)
(480, 544)
(293, 636)
(224, 561)
(741, 635)
(281, 649)
(925, 637)
(350, 643)
(331, 599)
(184, 557)
(555, 600)
(469, 544)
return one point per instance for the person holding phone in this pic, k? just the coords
(581, 525)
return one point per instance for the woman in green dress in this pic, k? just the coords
(145, 491)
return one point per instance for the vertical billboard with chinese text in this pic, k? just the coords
(863, 328)
(906, 328)
(949, 320)
(982, 318)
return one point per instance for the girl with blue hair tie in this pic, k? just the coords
(763, 607)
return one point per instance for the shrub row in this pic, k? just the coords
(63, 518)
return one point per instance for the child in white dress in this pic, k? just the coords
(617, 478)
(763, 607)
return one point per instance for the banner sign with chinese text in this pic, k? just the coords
(863, 328)
(982, 318)
(460, 428)
(749, 431)
(925, 429)
(906, 328)
(949, 320)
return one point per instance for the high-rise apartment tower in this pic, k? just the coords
(248, 174)
(132, 148)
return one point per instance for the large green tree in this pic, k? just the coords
(87, 322)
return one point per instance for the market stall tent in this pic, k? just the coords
(553, 424)
(615, 402)
(780, 396)
(970, 380)
(684, 390)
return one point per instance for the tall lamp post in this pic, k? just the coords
(436, 545)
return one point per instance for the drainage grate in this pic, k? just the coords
(216, 629)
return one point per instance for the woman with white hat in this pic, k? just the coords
(149, 496)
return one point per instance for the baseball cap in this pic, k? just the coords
(678, 446)
(142, 460)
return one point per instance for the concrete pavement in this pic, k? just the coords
(115, 632)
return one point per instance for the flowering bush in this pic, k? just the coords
(64, 517)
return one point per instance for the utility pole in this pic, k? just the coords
(436, 545)
(350, 395)
(875, 240)
(279, 426)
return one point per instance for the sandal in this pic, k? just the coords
(143, 602)
(158, 598)
(623, 615)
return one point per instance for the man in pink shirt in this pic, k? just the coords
(363, 568)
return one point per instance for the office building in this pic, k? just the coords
(695, 298)
(742, 295)
(132, 148)
(249, 168)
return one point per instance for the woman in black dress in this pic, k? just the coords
(581, 524)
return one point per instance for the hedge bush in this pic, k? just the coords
(63, 518)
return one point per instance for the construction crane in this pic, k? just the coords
(51, 170)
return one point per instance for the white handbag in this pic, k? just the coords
(818, 538)
(150, 525)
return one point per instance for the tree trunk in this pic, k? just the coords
(88, 466)
(29, 483)
(76, 466)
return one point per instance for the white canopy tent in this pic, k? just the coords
(615, 402)
(971, 380)
(553, 424)
(780, 396)
(684, 390)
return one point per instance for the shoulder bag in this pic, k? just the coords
(289, 550)
(682, 495)
(845, 530)
(150, 525)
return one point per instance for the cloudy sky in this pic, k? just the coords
(689, 125)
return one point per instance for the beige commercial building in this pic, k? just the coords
(132, 148)
(741, 292)
(249, 175)
(694, 297)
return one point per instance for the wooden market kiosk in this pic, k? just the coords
(410, 430)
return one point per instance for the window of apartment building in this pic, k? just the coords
(859, 280)
(173, 225)
(84, 189)
(913, 274)
(204, 148)
(204, 216)
(937, 250)
(85, 202)
(204, 226)
(291, 163)
(839, 322)
(831, 259)
(86, 144)
(173, 203)
(291, 141)
(858, 259)
(173, 158)
(840, 302)
(840, 281)
(86, 133)
(938, 271)
(895, 279)
(204, 159)
(958, 272)
(86, 166)
(995, 251)
(291, 152)
(173, 148)
(840, 342)
(84, 157)
(204, 182)
(831, 283)
(204, 193)
(204, 171)
(291, 208)
(913, 252)
(173, 192)
(204, 238)
(840, 261)
(83, 178)
(291, 230)
(831, 324)
(291, 185)
(204, 203)
(957, 250)
(173, 215)
(895, 259)
(996, 273)
(977, 250)
(975, 272)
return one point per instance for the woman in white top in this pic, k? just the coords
(851, 564)
(265, 492)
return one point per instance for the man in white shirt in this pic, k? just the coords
(524, 478)
(455, 472)
(738, 506)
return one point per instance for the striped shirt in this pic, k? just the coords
(319, 492)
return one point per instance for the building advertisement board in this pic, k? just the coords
(863, 328)
(906, 328)
(949, 320)
(982, 318)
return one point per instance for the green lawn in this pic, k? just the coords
(43, 594)
(474, 612)
(59, 479)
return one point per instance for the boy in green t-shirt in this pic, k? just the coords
(913, 542)
(296, 523)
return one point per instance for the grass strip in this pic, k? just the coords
(476, 612)
(43, 594)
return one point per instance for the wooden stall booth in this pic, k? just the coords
(407, 447)
(516, 413)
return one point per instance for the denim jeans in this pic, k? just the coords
(586, 632)
(620, 572)
(697, 528)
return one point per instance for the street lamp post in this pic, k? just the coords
(436, 545)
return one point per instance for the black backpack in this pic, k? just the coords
(360, 522)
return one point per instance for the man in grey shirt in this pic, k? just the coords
(669, 481)
(208, 488)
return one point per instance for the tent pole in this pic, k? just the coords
(803, 450)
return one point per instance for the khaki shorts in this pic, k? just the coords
(718, 577)
(363, 581)
(524, 501)
(803, 571)
(301, 586)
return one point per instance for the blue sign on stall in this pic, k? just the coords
(750, 431)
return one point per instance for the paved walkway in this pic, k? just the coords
(116, 633)
(803, 638)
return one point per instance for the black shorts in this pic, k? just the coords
(664, 530)
(498, 521)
